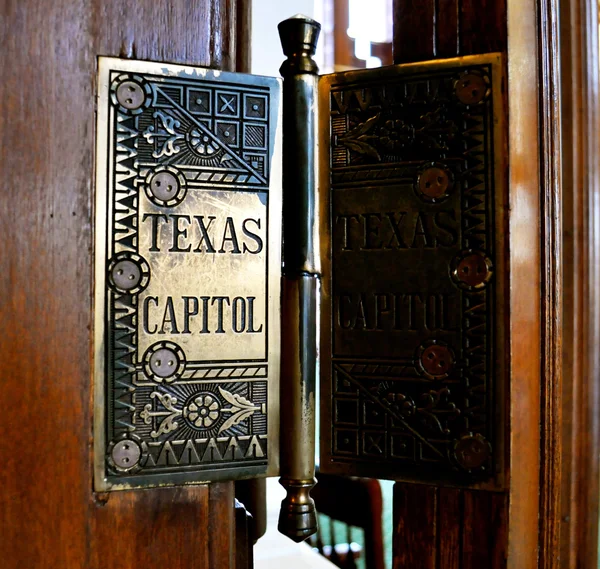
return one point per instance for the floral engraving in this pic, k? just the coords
(168, 423)
(381, 134)
(359, 140)
(202, 411)
(202, 143)
(167, 137)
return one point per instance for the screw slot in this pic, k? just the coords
(473, 269)
(434, 182)
(125, 455)
(163, 363)
(471, 90)
(436, 360)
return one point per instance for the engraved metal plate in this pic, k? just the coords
(412, 169)
(188, 258)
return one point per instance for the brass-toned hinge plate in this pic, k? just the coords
(414, 264)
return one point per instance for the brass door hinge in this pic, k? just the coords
(414, 262)
(188, 268)
(393, 283)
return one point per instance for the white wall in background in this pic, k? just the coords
(267, 56)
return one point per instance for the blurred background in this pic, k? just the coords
(354, 33)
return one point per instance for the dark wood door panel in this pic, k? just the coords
(49, 515)
(447, 528)
(431, 29)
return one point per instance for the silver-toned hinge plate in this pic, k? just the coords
(188, 239)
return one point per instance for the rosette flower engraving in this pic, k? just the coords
(202, 411)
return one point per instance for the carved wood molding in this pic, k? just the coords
(581, 366)
(551, 301)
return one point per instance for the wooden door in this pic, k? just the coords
(49, 514)
(547, 515)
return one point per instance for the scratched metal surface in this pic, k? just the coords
(188, 239)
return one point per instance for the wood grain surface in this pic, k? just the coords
(580, 122)
(525, 266)
(49, 515)
(431, 29)
(447, 528)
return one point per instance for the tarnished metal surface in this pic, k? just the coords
(413, 253)
(188, 258)
(301, 277)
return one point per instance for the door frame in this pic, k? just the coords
(554, 123)
(578, 509)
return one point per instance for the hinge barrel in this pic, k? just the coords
(301, 277)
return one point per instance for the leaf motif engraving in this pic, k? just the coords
(167, 138)
(167, 418)
(364, 127)
(236, 400)
(358, 140)
(168, 401)
(166, 426)
(240, 409)
(235, 419)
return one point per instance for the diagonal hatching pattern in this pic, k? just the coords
(377, 370)
(255, 135)
(241, 372)
(361, 175)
